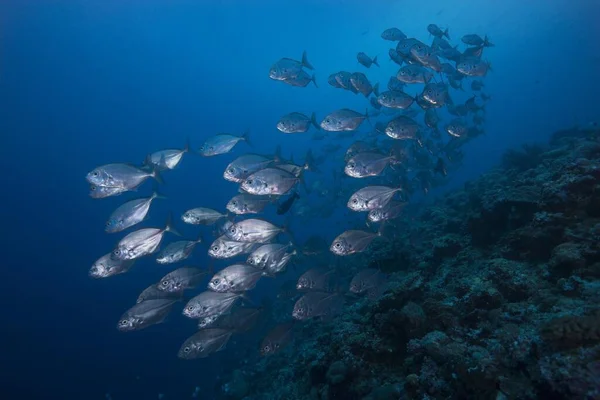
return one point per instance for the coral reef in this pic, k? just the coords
(494, 294)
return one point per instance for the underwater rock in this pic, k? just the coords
(336, 373)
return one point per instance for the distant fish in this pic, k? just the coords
(166, 159)
(371, 197)
(343, 120)
(204, 343)
(287, 204)
(473, 66)
(106, 266)
(437, 31)
(270, 181)
(175, 282)
(124, 176)
(247, 204)
(296, 123)
(145, 314)
(393, 34)
(141, 242)
(202, 216)
(236, 278)
(318, 304)
(243, 166)
(287, 68)
(221, 144)
(476, 40)
(352, 241)
(277, 339)
(366, 60)
(129, 214)
(177, 251)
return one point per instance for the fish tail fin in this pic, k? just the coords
(487, 43)
(187, 146)
(314, 80)
(200, 238)
(313, 120)
(147, 164)
(156, 173)
(309, 162)
(157, 195)
(169, 227)
(489, 65)
(305, 62)
(446, 33)
(246, 137)
(375, 61)
(376, 89)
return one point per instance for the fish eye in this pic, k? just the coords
(164, 283)
(249, 181)
(116, 252)
(338, 245)
(95, 173)
(215, 248)
(354, 201)
(190, 308)
(234, 203)
(123, 322)
(215, 281)
(251, 261)
(93, 187)
(187, 350)
(327, 120)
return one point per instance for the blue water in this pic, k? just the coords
(92, 82)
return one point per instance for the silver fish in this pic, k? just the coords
(316, 279)
(106, 266)
(343, 120)
(403, 47)
(437, 31)
(277, 339)
(391, 211)
(141, 242)
(202, 216)
(296, 123)
(425, 55)
(457, 128)
(221, 144)
(302, 80)
(177, 281)
(366, 60)
(240, 320)
(318, 304)
(361, 83)
(476, 40)
(145, 314)
(473, 66)
(269, 181)
(436, 94)
(129, 214)
(177, 251)
(236, 278)
(395, 99)
(367, 164)
(273, 258)
(287, 68)
(370, 281)
(402, 128)
(223, 247)
(247, 204)
(343, 80)
(210, 303)
(352, 241)
(371, 198)
(243, 166)
(393, 34)
(124, 176)
(411, 74)
(253, 230)
(166, 159)
(204, 343)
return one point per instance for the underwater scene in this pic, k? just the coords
(300, 199)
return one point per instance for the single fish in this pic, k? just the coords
(243, 166)
(277, 339)
(177, 281)
(473, 67)
(141, 242)
(302, 80)
(318, 304)
(437, 31)
(253, 230)
(343, 80)
(247, 204)
(222, 143)
(287, 68)
(166, 159)
(270, 181)
(101, 192)
(436, 94)
(393, 34)
(202, 216)
(411, 74)
(106, 266)
(316, 279)
(223, 247)
(145, 314)
(210, 303)
(403, 47)
(296, 123)
(370, 281)
(129, 214)
(361, 84)
(124, 176)
(457, 128)
(366, 60)
(272, 257)
(152, 292)
(371, 198)
(177, 251)
(395, 99)
(236, 278)
(204, 343)
(367, 164)
(343, 120)
(402, 128)
(352, 241)
(476, 40)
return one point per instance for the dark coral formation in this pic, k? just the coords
(495, 294)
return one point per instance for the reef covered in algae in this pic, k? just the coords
(494, 294)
